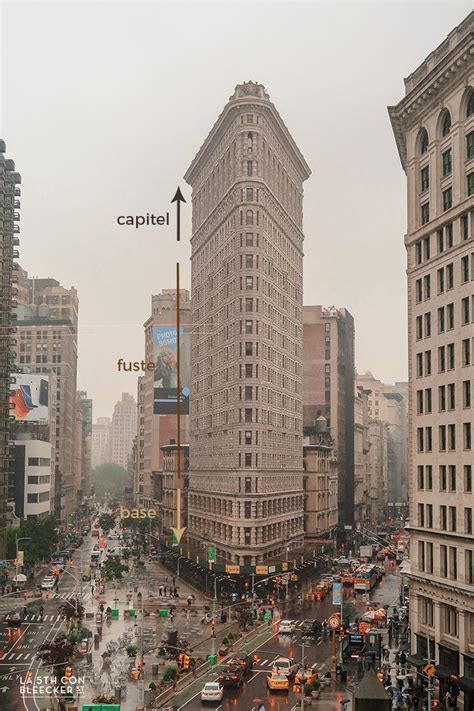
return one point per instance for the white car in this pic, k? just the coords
(286, 626)
(212, 691)
(284, 665)
(48, 583)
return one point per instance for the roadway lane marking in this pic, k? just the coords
(263, 662)
(20, 655)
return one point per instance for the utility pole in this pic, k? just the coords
(303, 674)
(253, 595)
(214, 601)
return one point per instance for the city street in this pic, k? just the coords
(271, 645)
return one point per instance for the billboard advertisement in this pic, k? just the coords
(30, 398)
(166, 372)
(337, 593)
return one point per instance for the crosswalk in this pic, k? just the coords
(46, 618)
(18, 657)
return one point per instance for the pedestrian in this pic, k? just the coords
(41, 612)
(25, 611)
(175, 592)
(414, 702)
(174, 581)
(448, 700)
(172, 618)
(92, 589)
(164, 590)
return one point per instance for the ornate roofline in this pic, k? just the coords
(429, 81)
(248, 94)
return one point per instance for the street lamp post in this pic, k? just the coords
(214, 601)
(287, 571)
(17, 565)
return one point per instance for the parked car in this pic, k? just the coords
(284, 665)
(277, 682)
(233, 676)
(212, 691)
(311, 628)
(286, 626)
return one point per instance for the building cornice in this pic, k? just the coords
(429, 82)
(234, 105)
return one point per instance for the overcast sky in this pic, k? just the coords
(105, 105)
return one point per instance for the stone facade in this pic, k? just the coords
(124, 429)
(247, 346)
(320, 485)
(434, 129)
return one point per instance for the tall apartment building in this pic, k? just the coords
(246, 453)
(47, 334)
(101, 436)
(320, 485)
(389, 404)
(362, 498)
(83, 474)
(160, 429)
(124, 429)
(9, 205)
(328, 390)
(434, 130)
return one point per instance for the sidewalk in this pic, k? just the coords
(105, 674)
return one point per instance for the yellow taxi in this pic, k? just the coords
(278, 682)
(306, 676)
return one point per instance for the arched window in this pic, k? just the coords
(446, 124)
(470, 105)
(249, 217)
(423, 141)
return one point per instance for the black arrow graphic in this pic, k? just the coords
(178, 199)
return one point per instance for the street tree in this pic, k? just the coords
(57, 653)
(106, 522)
(113, 568)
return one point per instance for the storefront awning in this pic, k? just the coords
(443, 672)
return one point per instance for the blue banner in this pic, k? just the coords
(337, 593)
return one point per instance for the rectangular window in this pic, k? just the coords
(248, 392)
(249, 192)
(248, 414)
(419, 252)
(419, 327)
(468, 478)
(425, 212)
(447, 199)
(248, 348)
(249, 261)
(420, 439)
(449, 235)
(419, 365)
(429, 515)
(248, 370)
(470, 184)
(442, 477)
(450, 316)
(453, 564)
(428, 439)
(428, 401)
(427, 611)
(419, 290)
(447, 163)
(427, 325)
(469, 557)
(424, 178)
(451, 437)
(452, 519)
(427, 286)
(249, 327)
(248, 459)
(248, 509)
(429, 556)
(421, 477)
(249, 168)
(465, 227)
(427, 362)
(429, 477)
(467, 437)
(421, 515)
(441, 320)
(248, 485)
(465, 311)
(440, 239)
(466, 352)
(451, 358)
(464, 269)
(451, 396)
(442, 398)
(249, 282)
(442, 438)
(443, 561)
(449, 275)
(470, 145)
(249, 239)
(468, 520)
(248, 436)
(441, 359)
(466, 393)
(421, 555)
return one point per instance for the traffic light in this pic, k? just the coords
(181, 660)
(380, 675)
(68, 673)
(186, 661)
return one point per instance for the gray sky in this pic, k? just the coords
(105, 105)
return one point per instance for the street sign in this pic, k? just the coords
(100, 707)
(211, 554)
(267, 616)
(429, 669)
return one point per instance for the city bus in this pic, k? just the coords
(365, 577)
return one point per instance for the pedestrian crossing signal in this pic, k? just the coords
(429, 669)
